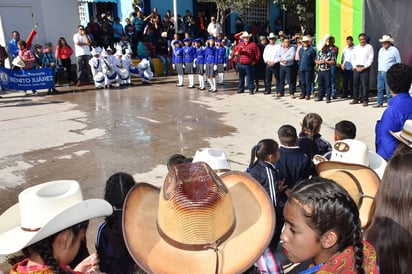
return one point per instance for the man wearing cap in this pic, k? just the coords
(362, 59)
(387, 56)
(307, 55)
(271, 58)
(399, 77)
(214, 28)
(248, 54)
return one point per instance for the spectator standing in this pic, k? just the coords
(387, 56)
(38, 54)
(347, 68)
(63, 54)
(27, 57)
(139, 24)
(248, 54)
(325, 59)
(362, 59)
(307, 55)
(49, 60)
(260, 68)
(202, 24)
(188, 23)
(162, 52)
(13, 47)
(286, 60)
(3, 57)
(130, 32)
(92, 29)
(82, 44)
(335, 50)
(399, 78)
(118, 30)
(214, 27)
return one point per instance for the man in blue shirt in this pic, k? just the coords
(13, 48)
(387, 56)
(399, 78)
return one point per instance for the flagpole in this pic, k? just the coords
(175, 14)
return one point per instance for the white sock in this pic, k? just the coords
(201, 81)
(180, 77)
(221, 78)
(209, 80)
(214, 83)
(191, 80)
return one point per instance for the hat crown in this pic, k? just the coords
(195, 208)
(214, 157)
(40, 203)
(350, 151)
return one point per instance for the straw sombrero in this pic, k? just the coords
(198, 222)
(44, 210)
(359, 180)
(405, 135)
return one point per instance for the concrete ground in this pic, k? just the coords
(86, 135)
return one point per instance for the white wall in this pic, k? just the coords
(54, 19)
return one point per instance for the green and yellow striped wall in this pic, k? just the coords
(339, 18)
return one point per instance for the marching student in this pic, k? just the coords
(199, 62)
(177, 60)
(108, 69)
(96, 66)
(188, 59)
(221, 60)
(210, 63)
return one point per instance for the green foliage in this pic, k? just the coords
(297, 7)
(238, 6)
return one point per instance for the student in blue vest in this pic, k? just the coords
(177, 61)
(188, 60)
(211, 63)
(199, 62)
(221, 60)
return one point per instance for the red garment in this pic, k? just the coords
(343, 262)
(23, 268)
(63, 53)
(27, 57)
(249, 53)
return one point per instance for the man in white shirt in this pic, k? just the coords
(271, 58)
(82, 44)
(362, 59)
(347, 68)
(214, 28)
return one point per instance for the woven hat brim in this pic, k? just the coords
(255, 223)
(367, 178)
(397, 135)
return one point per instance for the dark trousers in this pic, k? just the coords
(324, 84)
(285, 72)
(268, 77)
(347, 82)
(249, 72)
(306, 82)
(332, 79)
(361, 80)
(83, 68)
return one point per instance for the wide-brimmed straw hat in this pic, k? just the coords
(405, 135)
(307, 38)
(386, 38)
(215, 158)
(198, 222)
(44, 210)
(353, 174)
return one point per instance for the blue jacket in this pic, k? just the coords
(200, 56)
(177, 56)
(307, 59)
(221, 55)
(318, 145)
(294, 165)
(268, 176)
(188, 54)
(393, 118)
(210, 55)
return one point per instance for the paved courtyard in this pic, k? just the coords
(87, 135)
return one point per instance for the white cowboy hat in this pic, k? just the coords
(386, 38)
(18, 62)
(198, 222)
(405, 135)
(271, 35)
(44, 210)
(214, 157)
(245, 34)
(306, 38)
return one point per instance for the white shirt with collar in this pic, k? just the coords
(362, 56)
(271, 53)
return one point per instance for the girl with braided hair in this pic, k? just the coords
(110, 246)
(322, 224)
(310, 139)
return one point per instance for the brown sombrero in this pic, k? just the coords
(198, 222)
(360, 181)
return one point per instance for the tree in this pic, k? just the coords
(227, 7)
(299, 8)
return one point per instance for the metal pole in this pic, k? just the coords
(175, 13)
